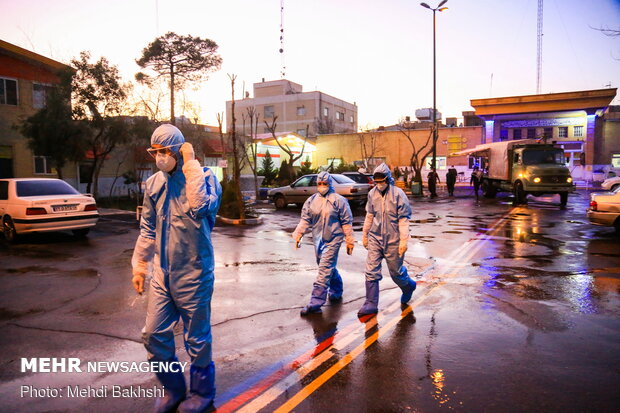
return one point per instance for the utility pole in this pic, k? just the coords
(539, 48)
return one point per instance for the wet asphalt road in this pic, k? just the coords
(517, 309)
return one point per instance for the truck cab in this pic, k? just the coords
(538, 169)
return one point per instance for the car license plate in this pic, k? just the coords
(63, 208)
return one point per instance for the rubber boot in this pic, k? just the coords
(174, 385)
(371, 305)
(201, 390)
(335, 287)
(319, 295)
(407, 291)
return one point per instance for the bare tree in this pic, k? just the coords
(418, 153)
(236, 158)
(324, 126)
(220, 121)
(250, 147)
(369, 146)
(292, 157)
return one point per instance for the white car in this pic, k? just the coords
(605, 209)
(610, 184)
(44, 204)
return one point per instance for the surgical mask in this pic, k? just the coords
(323, 189)
(165, 162)
(382, 186)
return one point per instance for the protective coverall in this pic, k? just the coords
(178, 215)
(330, 218)
(385, 235)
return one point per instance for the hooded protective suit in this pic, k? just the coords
(385, 235)
(178, 215)
(330, 218)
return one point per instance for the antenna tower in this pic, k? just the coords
(283, 66)
(539, 48)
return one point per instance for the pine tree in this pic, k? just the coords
(268, 169)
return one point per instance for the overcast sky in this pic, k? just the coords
(377, 54)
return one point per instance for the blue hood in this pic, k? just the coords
(383, 168)
(168, 135)
(325, 176)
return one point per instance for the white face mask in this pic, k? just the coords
(381, 187)
(323, 189)
(165, 162)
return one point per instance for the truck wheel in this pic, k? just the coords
(280, 202)
(563, 199)
(519, 194)
(488, 190)
(613, 188)
(617, 226)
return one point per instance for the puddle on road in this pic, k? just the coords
(6, 314)
(32, 268)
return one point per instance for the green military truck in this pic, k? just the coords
(523, 167)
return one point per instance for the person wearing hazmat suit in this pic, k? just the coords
(329, 216)
(385, 235)
(178, 214)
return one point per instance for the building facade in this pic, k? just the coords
(579, 122)
(395, 148)
(25, 79)
(294, 110)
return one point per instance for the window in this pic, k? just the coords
(503, 134)
(44, 187)
(39, 95)
(578, 131)
(351, 119)
(516, 134)
(301, 110)
(531, 133)
(325, 111)
(269, 112)
(615, 160)
(303, 181)
(8, 91)
(548, 133)
(334, 162)
(43, 165)
(516, 158)
(339, 115)
(441, 162)
(4, 190)
(563, 132)
(302, 132)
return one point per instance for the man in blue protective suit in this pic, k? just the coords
(329, 216)
(178, 214)
(385, 235)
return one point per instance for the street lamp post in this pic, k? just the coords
(438, 8)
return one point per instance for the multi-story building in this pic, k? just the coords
(294, 110)
(25, 79)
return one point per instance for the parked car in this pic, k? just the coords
(610, 184)
(605, 209)
(304, 187)
(360, 178)
(44, 204)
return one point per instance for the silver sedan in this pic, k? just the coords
(304, 187)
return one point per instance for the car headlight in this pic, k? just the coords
(569, 179)
(536, 180)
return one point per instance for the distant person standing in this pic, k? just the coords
(433, 178)
(476, 179)
(451, 180)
